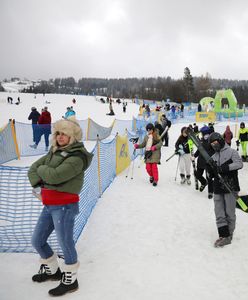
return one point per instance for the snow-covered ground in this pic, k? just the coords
(141, 242)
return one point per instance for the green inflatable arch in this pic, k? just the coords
(232, 109)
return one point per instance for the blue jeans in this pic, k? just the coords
(61, 219)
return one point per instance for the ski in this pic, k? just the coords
(242, 201)
(194, 172)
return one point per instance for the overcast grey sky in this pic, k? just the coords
(123, 38)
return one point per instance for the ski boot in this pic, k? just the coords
(202, 187)
(155, 183)
(151, 179)
(183, 179)
(188, 180)
(223, 241)
(210, 195)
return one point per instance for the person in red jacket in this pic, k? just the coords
(44, 127)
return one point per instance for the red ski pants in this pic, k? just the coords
(152, 170)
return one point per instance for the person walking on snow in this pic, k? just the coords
(228, 162)
(44, 127)
(60, 175)
(243, 140)
(183, 148)
(152, 144)
(202, 165)
(228, 135)
(34, 116)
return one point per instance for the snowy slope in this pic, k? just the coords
(143, 242)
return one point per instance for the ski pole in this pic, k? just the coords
(133, 166)
(177, 167)
(171, 156)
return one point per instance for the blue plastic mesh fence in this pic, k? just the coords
(95, 130)
(19, 209)
(84, 125)
(121, 125)
(7, 146)
(107, 163)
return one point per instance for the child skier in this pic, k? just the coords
(183, 148)
(243, 140)
(228, 162)
(152, 144)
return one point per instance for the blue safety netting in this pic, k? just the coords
(121, 125)
(97, 131)
(7, 145)
(19, 209)
(107, 163)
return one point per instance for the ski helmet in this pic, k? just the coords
(149, 126)
(205, 130)
(184, 129)
(215, 136)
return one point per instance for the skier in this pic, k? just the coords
(166, 125)
(60, 175)
(152, 144)
(124, 106)
(183, 148)
(202, 165)
(243, 140)
(228, 162)
(111, 111)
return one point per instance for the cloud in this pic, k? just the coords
(123, 38)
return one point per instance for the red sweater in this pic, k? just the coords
(45, 118)
(53, 197)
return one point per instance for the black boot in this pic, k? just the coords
(49, 270)
(68, 281)
(43, 275)
(63, 289)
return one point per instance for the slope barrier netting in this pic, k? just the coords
(7, 145)
(19, 209)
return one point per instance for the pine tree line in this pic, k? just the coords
(188, 88)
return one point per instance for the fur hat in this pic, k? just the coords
(70, 127)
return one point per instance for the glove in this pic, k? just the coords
(223, 169)
(237, 143)
(180, 151)
(136, 146)
(192, 158)
(153, 148)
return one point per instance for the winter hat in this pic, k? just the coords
(215, 136)
(205, 130)
(149, 126)
(70, 127)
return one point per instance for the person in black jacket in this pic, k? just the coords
(166, 124)
(34, 116)
(202, 165)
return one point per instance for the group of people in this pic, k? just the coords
(10, 100)
(226, 160)
(57, 179)
(41, 125)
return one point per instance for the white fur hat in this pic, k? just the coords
(70, 127)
